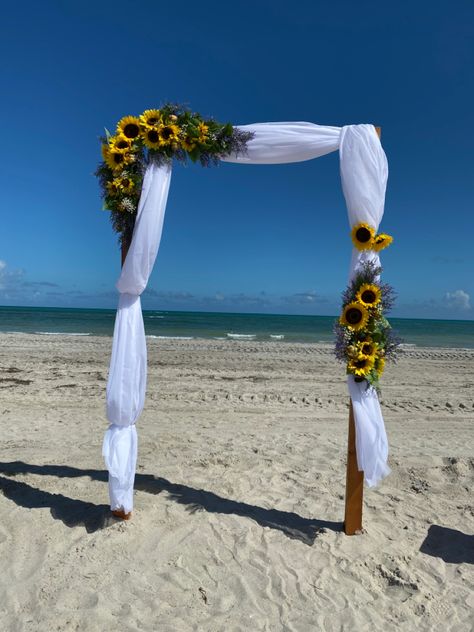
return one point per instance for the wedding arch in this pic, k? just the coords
(364, 172)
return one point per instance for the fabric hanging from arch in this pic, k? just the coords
(364, 172)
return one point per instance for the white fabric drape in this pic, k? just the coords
(277, 143)
(364, 172)
(128, 364)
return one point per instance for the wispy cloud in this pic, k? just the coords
(459, 299)
(14, 287)
(455, 304)
(38, 284)
(169, 296)
(241, 299)
(9, 279)
(303, 298)
(447, 260)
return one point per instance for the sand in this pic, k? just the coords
(239, 493)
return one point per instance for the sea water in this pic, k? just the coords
(244, 327)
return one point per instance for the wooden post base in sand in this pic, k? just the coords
(354, 484)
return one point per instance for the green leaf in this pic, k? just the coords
(194, 154)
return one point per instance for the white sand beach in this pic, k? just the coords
(239, 493)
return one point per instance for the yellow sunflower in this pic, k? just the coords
(380, 365)
(129, 126)
(188, 142)
(367, 347)
(120, 143)
(354, 316)
(121, 160)
(150, 118)
(115, 159)
(124, 184)
(361, 365)
(105, 150)
(168, 134)
(382, 241)
(369, 295)
(151, 138)
(363, 236)
(203, 131)
(112, 188)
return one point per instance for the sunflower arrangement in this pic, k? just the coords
(364, 337)
(158, 135)
(364, 238)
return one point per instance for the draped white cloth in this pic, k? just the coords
(364, 173)
(126, 384)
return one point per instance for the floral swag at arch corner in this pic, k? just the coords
(135, 177)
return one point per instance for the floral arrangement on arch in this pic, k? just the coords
(159, 135)
(364, 337)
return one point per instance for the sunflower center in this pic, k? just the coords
(126, 182)
(118, 158)
(369, 297)
(363, 235)
(153, 136)
(152, 120)
(367, 348)
(122, 144)
(360, 364)
(131, 130)
(166, 132)
(353, 316)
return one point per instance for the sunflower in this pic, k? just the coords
(151, 138)
(115, 159)
(129, 126)
(105, 150)
(369, 295)
(361, 365)
(203, 130)
(354, 316)
(150, 118)
(382, 241)
(367, 347)
(362, 236)
(120, 143)
(380, 365)
(168, 134)
(124, 184)
(188, 142)
(112, 188)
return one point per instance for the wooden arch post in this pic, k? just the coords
(354, 478)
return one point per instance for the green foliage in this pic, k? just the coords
(197, 139)
(377, 330)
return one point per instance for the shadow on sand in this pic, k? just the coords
(93, 517)
(452, 546)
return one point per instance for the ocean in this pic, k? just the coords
(265, 327)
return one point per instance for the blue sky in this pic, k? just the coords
(238, 237)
